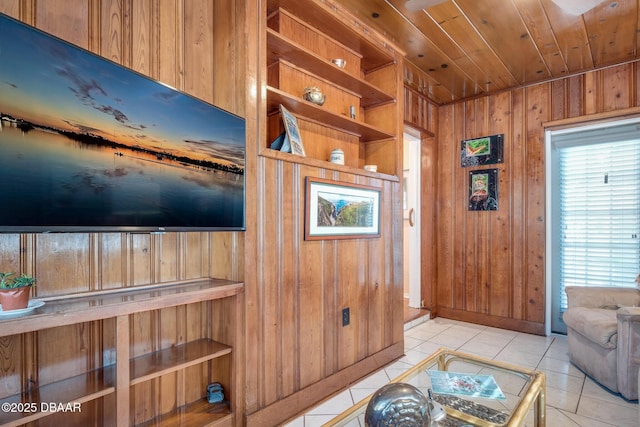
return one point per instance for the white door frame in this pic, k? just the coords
(412, 191)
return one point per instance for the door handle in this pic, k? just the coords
(411, 212)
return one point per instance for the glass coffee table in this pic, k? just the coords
(522, 388)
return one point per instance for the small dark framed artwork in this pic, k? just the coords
(483, 190)
(487, 150)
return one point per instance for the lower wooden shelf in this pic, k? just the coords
(57, 397)
(197, 414)
(173, 359)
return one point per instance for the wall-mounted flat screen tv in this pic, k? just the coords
(89, 145)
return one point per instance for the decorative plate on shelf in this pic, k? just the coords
(33, 304)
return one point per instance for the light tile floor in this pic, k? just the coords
(572, 398)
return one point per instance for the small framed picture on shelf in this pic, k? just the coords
(338, 210)
(293, 141)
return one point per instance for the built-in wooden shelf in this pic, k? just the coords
(314, 113)
(196, 414)
(79, 389)
(310, 161)
(374, 55)
(77, 308)
(173, 359)
(281, 47)
(120, 304)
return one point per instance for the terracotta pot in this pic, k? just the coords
(15, 298)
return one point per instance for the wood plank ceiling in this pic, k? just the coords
(468, 48)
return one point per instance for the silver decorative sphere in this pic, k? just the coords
(398, 405)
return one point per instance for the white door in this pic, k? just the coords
(411, 182)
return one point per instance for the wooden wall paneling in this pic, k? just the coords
(332, 307)
(348, 282)
(635, 85)
(445, 222)
(428, 203)
(394, 274)
(10, 250)
(227, 51)
(390, 278)
(311, 292)
(12, 8)
(143, 38)
(62, 263)
(170, 42)
(14, 364)
(192, 382)
(276, 255)
(81, 352)
(478, 278)
(539, 100)
(112, 260)
(499, 285)
(377, 287)
(575, 96)
(68, 23)
(112, 36)
(174, 326)
(592, 92)
(142, 335)
(196, 254)
(472, 221)
(168, 267)
(141, 261)
(289, 239)
(560, 102)
(226, 260)
(616, 84)
(516, 164)
(198, 34)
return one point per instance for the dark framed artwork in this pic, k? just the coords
(482, 151)
(337, 210)
(483, 190)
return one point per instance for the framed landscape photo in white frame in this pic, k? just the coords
(337, 210)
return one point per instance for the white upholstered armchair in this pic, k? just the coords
(603, 331)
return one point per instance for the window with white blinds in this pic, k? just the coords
(598, 217)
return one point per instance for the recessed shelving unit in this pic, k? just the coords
(361, 113)
(281, 47)
(122, 309)
(162, 362)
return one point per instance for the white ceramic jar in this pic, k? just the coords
(337, 156)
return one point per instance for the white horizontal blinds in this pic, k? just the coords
(599, 207)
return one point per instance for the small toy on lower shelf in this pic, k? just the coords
(215, 393)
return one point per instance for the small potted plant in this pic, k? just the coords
(15, 291)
